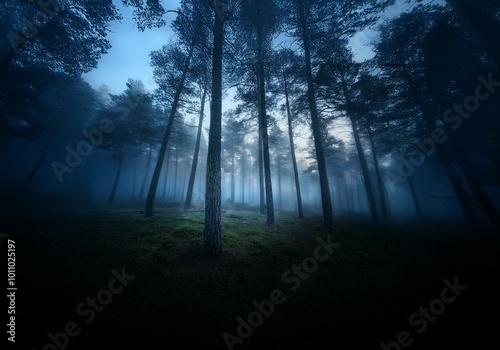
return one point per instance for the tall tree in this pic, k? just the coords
(189, 195)
(311, 22)
(260, 20)
(288, 63)
(66, 36)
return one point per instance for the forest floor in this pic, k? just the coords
(363, 294)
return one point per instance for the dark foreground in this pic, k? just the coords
(171, 295)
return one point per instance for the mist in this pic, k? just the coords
(250, 174)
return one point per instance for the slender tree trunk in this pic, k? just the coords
(347, 191)
(161, 154)
(243, 173)
(380, 181)
(189, 195)
(361, 154)
(143, 186)
(183, 177)
(365, 171)
(27, 182)
(359, 193)
(279, 183)
(165, 177)
(261, 171)
(212, 234)
(265, 135)
(176, 172)
(315, 121)
(117, 179)
(233, 170)
(292, 150)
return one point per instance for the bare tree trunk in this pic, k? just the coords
(366, 172)
(265, 135)
(261, 172)
(176, 172)
(292, 150)
(233, 170)
(243, 173)
(378, 175)
(165, 177)
(316, 125)
(212, 240)
(279, 183)
(189, 195)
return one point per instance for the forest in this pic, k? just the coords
(250, 174)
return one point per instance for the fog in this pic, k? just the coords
(254, 174)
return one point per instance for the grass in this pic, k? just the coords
(362, 295)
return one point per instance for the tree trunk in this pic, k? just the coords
(165, 177)
(27, 182)
(212, 233)
(315, 121)
(233, 170)
(361, 154)
(117, 178)
(265, 135)
(292, 150)
(189, 195)
(161, 154)
(261, 172)
(143, 186)
(365, 171)
(176, 171)
(347, 191)
(243, 173)
(380, 181)
(279, 183)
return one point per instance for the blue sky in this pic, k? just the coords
(129, 56)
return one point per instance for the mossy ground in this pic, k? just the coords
(361, 296)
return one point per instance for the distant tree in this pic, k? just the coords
(136, 127)
(288, 63)
(192, 176)
(232, 142)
